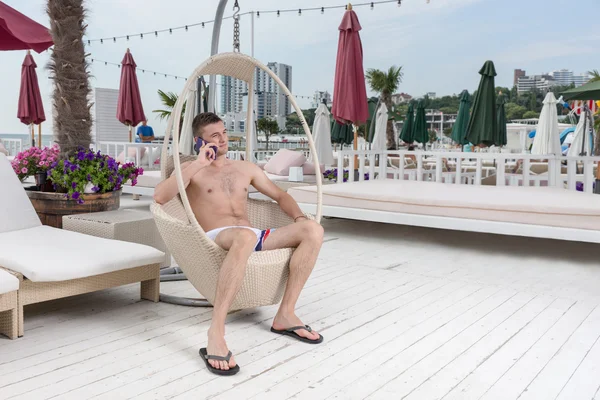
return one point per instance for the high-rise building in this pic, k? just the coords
(318, 98)
(519, 73)
(567, 77)
(270, 101)
(232, 94)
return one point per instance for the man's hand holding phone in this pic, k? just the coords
(207, 152)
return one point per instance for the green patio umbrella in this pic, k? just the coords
(501, 137)
(419, 132)
(342, 134)
(459, 129)
(407, 128)
(589, 91)
(483, 122)
(372, 104)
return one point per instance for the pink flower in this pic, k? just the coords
(24, 170)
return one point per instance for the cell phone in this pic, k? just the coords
(200, 142)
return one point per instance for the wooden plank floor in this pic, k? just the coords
(406, 313)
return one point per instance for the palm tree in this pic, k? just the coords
(386, 83)
(168, 100)
(595, 75)
(69, 70)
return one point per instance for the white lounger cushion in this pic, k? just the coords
(8, 282)
(528, 205)
(46, 254)
(16, 210)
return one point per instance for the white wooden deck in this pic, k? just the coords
(406, 313)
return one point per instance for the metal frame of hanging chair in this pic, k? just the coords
(198, 256)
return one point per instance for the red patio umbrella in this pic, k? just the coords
(349, 89)
(31, 109)
(18, 32)
(129, 107)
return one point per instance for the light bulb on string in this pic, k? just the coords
(186, 28)
(278, 13)
(114, 40)
(399, 3)
(101, 41)
(141, 35)
(170, 31)
(322, 10)
(258, 14)
(372, 6)
(203, 24)
(127, 37)
(155, 34)
(299, 12)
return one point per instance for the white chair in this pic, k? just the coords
(55, 263)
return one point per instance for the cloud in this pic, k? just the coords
(547, 49)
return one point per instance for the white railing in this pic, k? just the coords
(261, 155)
(471, 168)
(14, 146)
(144, 155)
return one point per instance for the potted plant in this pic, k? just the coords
(81, 183)
(36, 162)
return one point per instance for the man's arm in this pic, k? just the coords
(167, 189)
(264, 185)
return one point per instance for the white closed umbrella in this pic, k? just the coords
(547, 139)
(321, 132)
(380, 136)
(581, 137)
(187, 134)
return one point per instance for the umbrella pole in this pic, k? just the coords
(355, 128)
(32, 134)
(129, 133)
(40, 135)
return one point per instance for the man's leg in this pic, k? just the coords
(307, 237)
(240, 243)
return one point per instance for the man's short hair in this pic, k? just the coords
(203, 119)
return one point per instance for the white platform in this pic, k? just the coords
(405, 311)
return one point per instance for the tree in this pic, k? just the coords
(386, 83)
(595, 75)
(267, 126)
(168, 100)
(69, 70)
(531, 114)
(514, 111)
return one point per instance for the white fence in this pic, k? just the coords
(144, 155)
(14, 146)
(500, 169)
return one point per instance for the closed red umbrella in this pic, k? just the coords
(31, 109)
(129, 107)
(18, 32)
(349, 89)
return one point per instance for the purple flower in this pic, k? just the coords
(80, 201)
(80, 156)
(95, 189)
(89, 156)
(89, 178)
(74, 167)
(75, 195)
(74, 185)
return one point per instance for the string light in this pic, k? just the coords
(371, 4)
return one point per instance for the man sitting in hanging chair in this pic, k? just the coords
(217, 189)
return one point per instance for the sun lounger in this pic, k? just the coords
(55, 263)
(9, 284)
(545, 212)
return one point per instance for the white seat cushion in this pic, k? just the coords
(16, 210)
(47, 254)
(8, 282)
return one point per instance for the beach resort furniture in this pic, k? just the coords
(199, 257)
(9, 284)
(544, 212)
(55, 263)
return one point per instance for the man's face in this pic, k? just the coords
(217, 134)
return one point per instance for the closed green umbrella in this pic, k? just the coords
(501, 137)
(342, 134)
(459, 129)
(406, 133)
(419, 132)
(372, 103)
(483, 122)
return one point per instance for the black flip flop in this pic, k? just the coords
(290, 332)
(230, 371)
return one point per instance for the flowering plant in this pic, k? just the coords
(89, 172)
(332, 174)
(34, 160)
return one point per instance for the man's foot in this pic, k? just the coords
(217, 347)
(283, 324)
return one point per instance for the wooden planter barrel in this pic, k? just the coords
(51, 207)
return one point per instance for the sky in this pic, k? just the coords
(441, 45)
